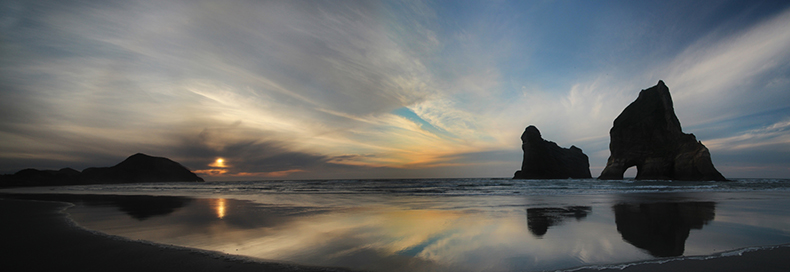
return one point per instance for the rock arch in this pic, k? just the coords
(647, 134)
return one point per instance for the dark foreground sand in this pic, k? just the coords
(766, 260)
(37, 237)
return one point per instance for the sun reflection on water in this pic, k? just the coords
(448, 234)
(219, 205)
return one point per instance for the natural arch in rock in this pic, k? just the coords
(647, 134)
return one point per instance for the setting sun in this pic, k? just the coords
(219, 162)
(399, 135)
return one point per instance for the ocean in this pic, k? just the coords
(437, 187)
(441, 224)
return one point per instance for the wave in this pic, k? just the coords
(440, 187)
(725, 254)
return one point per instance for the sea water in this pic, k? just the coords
(439, 187)
(443, 224)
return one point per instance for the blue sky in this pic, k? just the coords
(363, 89)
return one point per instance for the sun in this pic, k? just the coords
(219, 163)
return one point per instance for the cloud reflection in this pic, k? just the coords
(382, 233)
(381, 237)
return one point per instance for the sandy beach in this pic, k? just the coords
(44, 239)
(760, 260)
(38, 237)
(395, 136)
(771, 259)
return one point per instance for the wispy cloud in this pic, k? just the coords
(302, 88)
(718, 78)
(775, 134)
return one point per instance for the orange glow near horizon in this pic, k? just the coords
(211, 172)
(225, 173)
(219, 163)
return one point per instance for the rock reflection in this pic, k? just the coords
(539, 220)
(138, 207)
(144, 207)
(661, 228)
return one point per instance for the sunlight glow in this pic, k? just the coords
(219, 205)
(421, 89)
(219, 163)
(211, 172)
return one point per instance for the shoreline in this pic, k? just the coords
(763, 258)
(46, 238)
(41, 237)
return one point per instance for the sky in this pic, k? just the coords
(365, 89)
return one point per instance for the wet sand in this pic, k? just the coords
(764, 260)
(38, 237)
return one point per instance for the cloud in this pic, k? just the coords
(756, 153)
(298, 71)
(717, 79)
(413, 88)
(735, 75)
(243, 150)
(483, 157)
(775, 134)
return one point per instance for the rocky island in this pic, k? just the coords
(135, 169)
(647, 134)
(546, 160)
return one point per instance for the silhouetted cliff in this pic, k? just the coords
(140, 168)
(135, 169)
(647, 135)
(546, 160)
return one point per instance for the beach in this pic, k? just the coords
(43, 239)
(334, 226)
(395, 136)
(771, 259)
(39, 237)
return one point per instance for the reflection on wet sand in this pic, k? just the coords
(144, 207)
(539, 220)
(138, 207)
(219, 205)
(433, 233)
(661, 228)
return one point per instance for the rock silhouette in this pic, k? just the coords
(647, 134)
(43, 177)
(140, 168)
(539, 220)
(136, 168)
(661, 228)
(546, 160)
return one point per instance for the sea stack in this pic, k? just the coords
(647, 134)
(546, 160)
